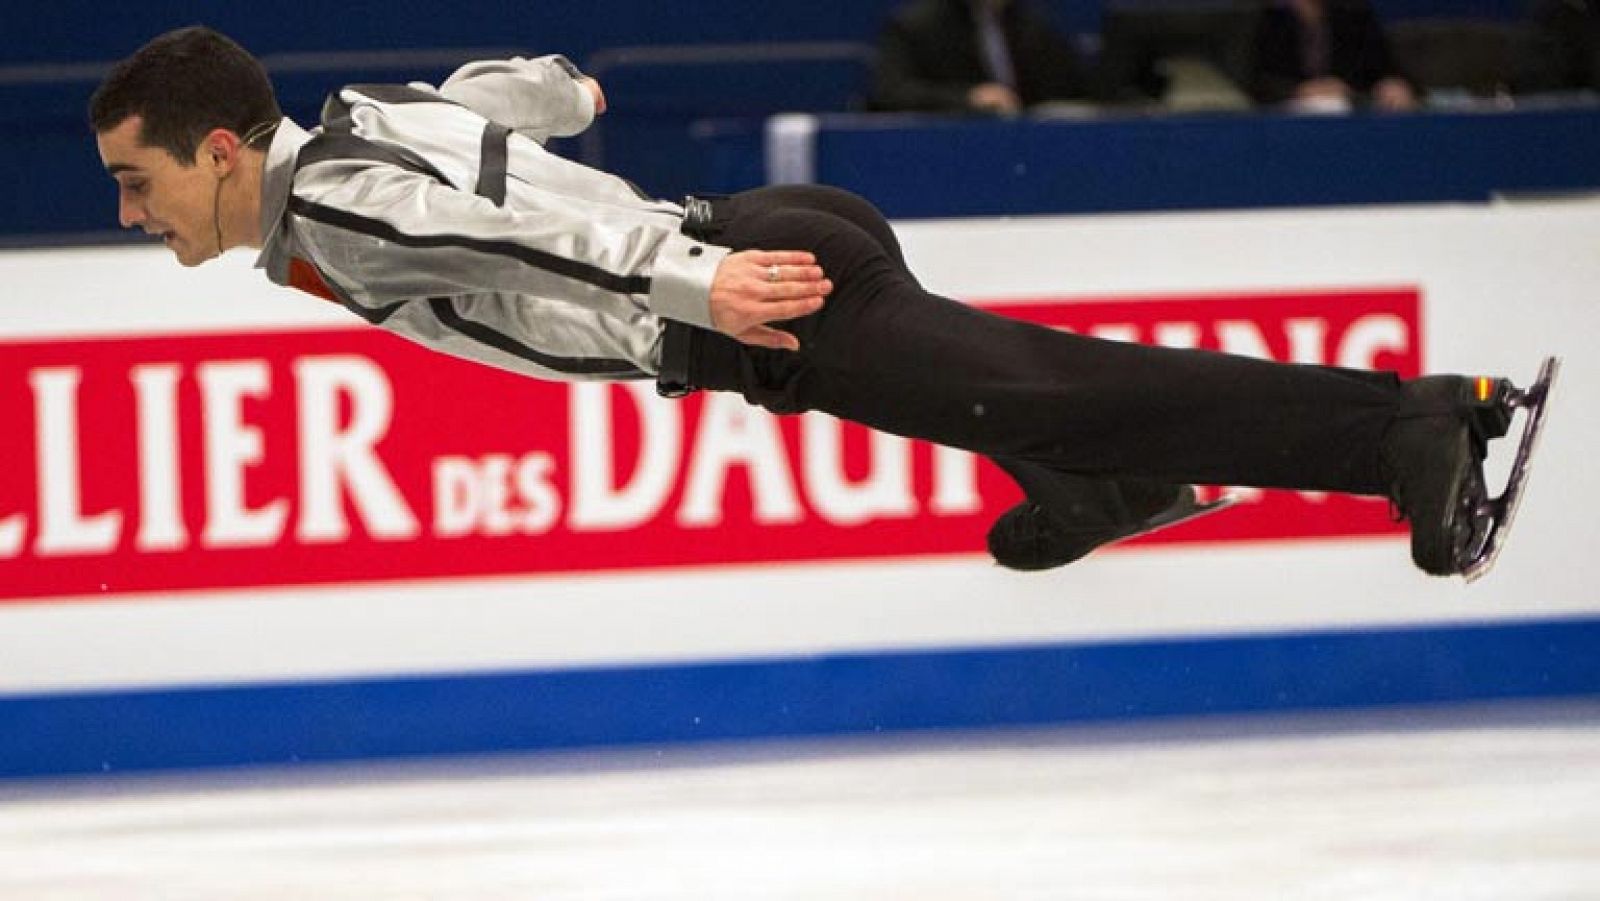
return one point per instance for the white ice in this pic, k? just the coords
(1478, 802)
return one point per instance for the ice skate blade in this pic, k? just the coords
(1198, 511)
(1503, 509)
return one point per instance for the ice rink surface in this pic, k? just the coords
(1475, 802)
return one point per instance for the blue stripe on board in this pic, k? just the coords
(277, 724)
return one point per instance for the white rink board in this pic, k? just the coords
(1501, 287)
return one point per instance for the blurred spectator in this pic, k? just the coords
(1325, 56)
(994, 56)
(1175, 54)
(1564, 50)
(1459, 61)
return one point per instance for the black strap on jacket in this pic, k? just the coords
(493, 158)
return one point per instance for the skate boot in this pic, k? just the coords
(1432, 458)
(1029, 537)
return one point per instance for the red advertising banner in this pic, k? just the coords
(296, 457)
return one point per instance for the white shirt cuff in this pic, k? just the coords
(680, 286)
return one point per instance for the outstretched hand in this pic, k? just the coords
(753, 288)
(599, 96)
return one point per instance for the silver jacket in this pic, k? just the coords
(565, 272)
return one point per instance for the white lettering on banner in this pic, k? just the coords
(1307, 338)
(333, 460)
(633, 461)
(1370, 336)
(885, 492)
(11, 535)
(1359, 345)
(732, 433)
(1110, 332)
(1243, 338)
(601, 500)
(1184, 335)
(496, 491)
(455, 496)
(495, 495)
(63, 528)
(160, 497)
(955, 482)
(535, 482)
(331, 457)
(232, 446)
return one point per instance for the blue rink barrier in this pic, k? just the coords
(921, 167)
(49, 735)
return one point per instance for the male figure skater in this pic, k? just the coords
(438, 214)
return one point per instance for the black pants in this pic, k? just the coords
(1044, 403)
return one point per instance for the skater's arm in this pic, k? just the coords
(540, 98)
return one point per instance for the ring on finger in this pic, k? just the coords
(772, 273)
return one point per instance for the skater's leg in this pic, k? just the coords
(885, 353)
(830, 201)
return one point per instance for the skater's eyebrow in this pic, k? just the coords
(119, 168)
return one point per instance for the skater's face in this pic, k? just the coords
(175, 201)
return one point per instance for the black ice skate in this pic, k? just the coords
(1434, 458)
(1028, 537)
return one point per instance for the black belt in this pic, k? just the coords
(678, 339)
(677, 347)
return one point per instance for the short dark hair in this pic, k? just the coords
(182, 85)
